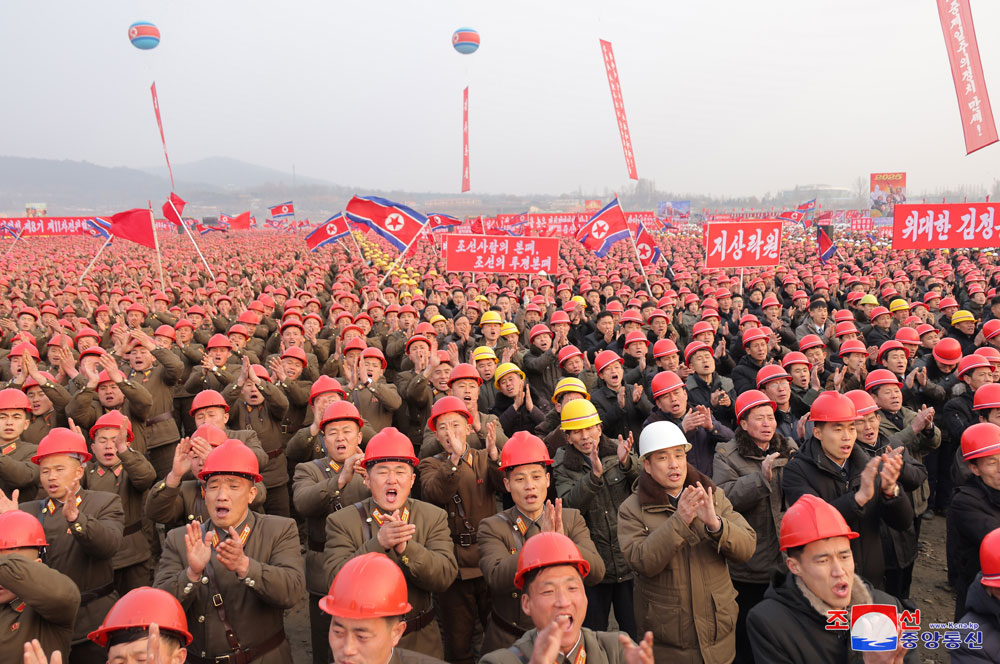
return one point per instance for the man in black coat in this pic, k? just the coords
(755, 343)
(790, 625)
(831, 466)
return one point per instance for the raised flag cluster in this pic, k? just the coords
(395, 222)
(328, 232)
(604, 229)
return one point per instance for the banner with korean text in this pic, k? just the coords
(504, 255)
(752, 243)
(946, 226)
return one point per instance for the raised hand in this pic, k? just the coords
(491, 439)
(706, 508)
(394, 533)
(8, 504)
(595, 461)
(766, 466)
(70, 510)
(866, 491)
(625, 447)
(892, 464)
(347, 472)
(181, 465)
(231, 556)
(548, 640)
(636, 392)
(641, 653)
(198, 549)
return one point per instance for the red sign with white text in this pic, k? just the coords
(945, 226)
(39, 226)
(498, 254)
(751, 243)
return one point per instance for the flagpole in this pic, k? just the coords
(641, 268)
(190, 237)
(16, 238)
(156, 243)
(99, 252)
(401, 255)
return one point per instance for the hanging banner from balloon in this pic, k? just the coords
(967, 72)
(465, 141)
(616, 99)
(159, 123)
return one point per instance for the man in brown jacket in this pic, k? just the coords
(465, 384)
(322, 486)
(464, 482)
(83, 529)
(376, 399)
(108, 390)
(236, 575)
(677, 532)
(414, 535)
(16, 470)
(36, 601)
(158, 370)
(524, 461)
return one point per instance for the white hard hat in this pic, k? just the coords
(661, 436)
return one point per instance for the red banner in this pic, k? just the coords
(159, 123)
(750, 243)
(967, 72)
(616, 99)
(951, 226)
(40, 226)
(465, 140)
(505, 255)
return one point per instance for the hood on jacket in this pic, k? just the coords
(980, 601)
(790, 590)
(652, 493)
(813, 451)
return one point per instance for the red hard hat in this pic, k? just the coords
(464, 371)
(846, 327)
(210, 433)
(812, 519)
(665, 382)
(810, 341)
(833, 407)
(13, 399)
(753, 334)
(989, 559)
(296, 353)
(559, 317)
(986, 397)
(367, 586)
(701, 327)
(260, 372)
(907, 335)
(693, 348)
(389, 444)
(749, 400)
(219, 341)
(991, 328)
(24, 347)
(341, 410)
(852, 346)
(970, 363)
(605, 358)
(540, 328)
(636, 336)
(20, 530)
(208, 399)
(664, 347)
(948, 301)
(891, 344)
(140, 608)
(795, 357)
(30, 382)
(947, 351)
(165, 331)
(112, 419)
(566, 352)
(231, 458)
(864, 403)
(374, 353)
(980, 440)
(523, 448)
(548, 549)
(324, 385)
(881, 377)
(447, 405)
(416, 338)
(770, 373)
(769, 301)
(62, 441)
(878, 311)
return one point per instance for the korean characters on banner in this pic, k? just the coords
(743, 244)
(497, 254)
(29, 226)
(859, 221)
(887, 190)
(946, 226)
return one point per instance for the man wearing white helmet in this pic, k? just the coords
(677, 532)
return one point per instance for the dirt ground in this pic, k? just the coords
(931, 593)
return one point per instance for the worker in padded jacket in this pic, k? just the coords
(864, 488)
(622, 406)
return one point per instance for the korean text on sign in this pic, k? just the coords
(951, 226)
(743, 244)
(496, 254)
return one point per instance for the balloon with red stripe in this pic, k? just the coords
(465, 41)
(144, 35)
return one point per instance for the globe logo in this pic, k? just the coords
(874, 628)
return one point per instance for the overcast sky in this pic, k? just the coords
(722, 97)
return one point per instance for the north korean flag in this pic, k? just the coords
(792, 215)
(393, 221)
(328, 232)
(808, 206)
(441, 223)
(283, 210)
(604, 229)
(645, 246)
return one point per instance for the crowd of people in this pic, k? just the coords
(489, 467)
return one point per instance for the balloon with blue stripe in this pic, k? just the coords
(465, 41)
(144, 35)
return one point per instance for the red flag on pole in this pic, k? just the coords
(465, 140)
(616, 99)
(240, 222)
(159, 122)
(135, 225)
(172, 213)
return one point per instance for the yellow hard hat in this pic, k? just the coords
(570, 385)
(898, 305)
(484, 353)
(962, 316)
(503, 370)
(490, 317)
(578, 414)
(505, 328)
(438, 319)
(868, 299)
(579, 300)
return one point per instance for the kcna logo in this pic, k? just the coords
(874, 627)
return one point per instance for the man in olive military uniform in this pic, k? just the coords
(16, 470)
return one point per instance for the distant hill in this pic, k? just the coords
(226, 173)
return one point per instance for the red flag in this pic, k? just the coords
(619, 103)
(159, 122)
(173, 213)
(240, 222)
(465, 141)
(135, 225)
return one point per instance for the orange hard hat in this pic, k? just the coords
(389, 444)
(211, 433)
(20, 530)
(325, 385)
(62, 441)
(112, 419)
(749, 400)
(367, 586)
(989, 558)
(140, 608)
(833, 406)
(219, 341)
(864, 403)
(231, 458)
(523, 448)
(12, 399)
(448, 405)
(812, 519)
(547, 550)
(341, 410)
(464, 371)
(980, 440)
(665, 382)
(208, 399)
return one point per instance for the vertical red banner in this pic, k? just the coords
(465, 140)
(159, 123)
(616, 99)
(967, 72)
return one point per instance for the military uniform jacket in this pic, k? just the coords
(476, 439)
(129, 479)
(175, 506)
(500, 540)
(297, 392)
(403, 656)
(255, 605)
(316, 494)
(428, 561)
(42, 424)
(599, 648)
(161, 428)
(83, 551)
(265, 419)
(85, 409)
(377, 403)
(17, 471)
(44, 609)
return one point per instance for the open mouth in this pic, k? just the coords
(842, 590)
(569, 619)
(222, 512)
(390, 495)
(340, 448)
(675, 477)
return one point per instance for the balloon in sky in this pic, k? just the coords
(144, 35)
(465, 41)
